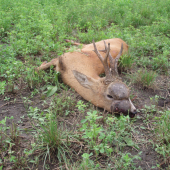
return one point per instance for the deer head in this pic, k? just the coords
(109, 92)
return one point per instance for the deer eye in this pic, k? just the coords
(109, 96)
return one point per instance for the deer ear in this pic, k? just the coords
(84, 80)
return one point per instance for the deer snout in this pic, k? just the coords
(122, 106)
(125, 107)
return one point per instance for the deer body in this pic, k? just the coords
(81, 70)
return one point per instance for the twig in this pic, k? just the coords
(164, 162)
(9, 103)
(66, 166)
(4, 104)
(80, 150)
(66, 121)
(148, 164)
(134, 137)
(81, 143)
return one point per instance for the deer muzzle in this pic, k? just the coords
(124, 106)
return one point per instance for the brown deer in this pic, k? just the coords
(81, 70)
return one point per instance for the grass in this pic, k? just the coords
(145, 77)
(52, 142)
(67, 128)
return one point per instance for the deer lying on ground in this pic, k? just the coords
(81, 70)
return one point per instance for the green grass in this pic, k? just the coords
(145, 77)
(34, 31)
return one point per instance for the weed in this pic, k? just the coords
(7, 98)
(154, 100)
(160, 63)
(145, 78)
(163, 127)
(2, 87)
(125, 161)
(14, 133)
(26, 102)
(116, 134)
(126, 62)
(81, 106)
(91, 128)
(51, 90)
(87, 163)
(32, 78)
(9, 139)
(52, 141)
(5, 138)
(62, 105)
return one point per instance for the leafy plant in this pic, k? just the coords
(81, 106)
(2, 87)
(8, 140)
(160, 63)
(91, 128)
(62, 105)
(162, 133)
(51, 90)
(87, 163)
(116, 134)
(5, 137)
(126, 62)
(125, 161)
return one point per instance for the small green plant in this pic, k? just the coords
(81, 106)
(125, 161)
(126, 62)
(26, 101)
(100, 139)
(2, 87)
(87, 163)
(154, 100)
(34, 112)
(51, 90)
(90, 128)
(149, 109)
(33, 78)
(33, 93)
(163, 149)
(62, 105)
(19, 161)
(163, 127)
(5, 138)
(9, 138)
(118, 132)
(52, 141)
(160, 63)
(145, 78)
(14, 133)
(7, 98)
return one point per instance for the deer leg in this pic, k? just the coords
(74, 43)
(46, 65)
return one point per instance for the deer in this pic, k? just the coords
(81, 71)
